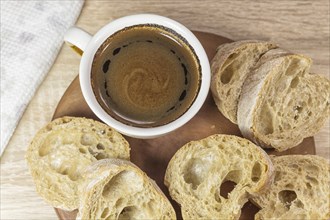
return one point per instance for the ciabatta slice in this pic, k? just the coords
(230, 67)
(61, 150)
(281, 103)
(117, 189)
(198, 170)
(301, 189)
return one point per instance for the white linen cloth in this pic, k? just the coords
(31, 36)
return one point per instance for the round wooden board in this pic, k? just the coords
(153, 155)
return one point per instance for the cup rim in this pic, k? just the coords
(131, 20)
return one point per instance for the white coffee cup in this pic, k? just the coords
(88, 45)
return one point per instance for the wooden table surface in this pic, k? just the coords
(300, 26)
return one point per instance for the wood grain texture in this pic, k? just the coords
(300, 26)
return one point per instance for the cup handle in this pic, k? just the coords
(77, 39)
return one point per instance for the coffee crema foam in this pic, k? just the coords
(145, 76)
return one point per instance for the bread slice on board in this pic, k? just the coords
(301, 189)
(60, 151)
(229, 68)
(281, 103)
(198, 170)
(117, 189)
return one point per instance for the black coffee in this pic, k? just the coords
(145, 75)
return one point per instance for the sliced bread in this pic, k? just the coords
(60, 151)
(229, 68)
(281, 103)
(117, 189)
(198, 170)
(301, 189)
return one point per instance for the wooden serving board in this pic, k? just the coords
(153, 155)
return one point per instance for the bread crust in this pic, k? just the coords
(62, 149)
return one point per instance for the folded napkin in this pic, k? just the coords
(31, 36)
